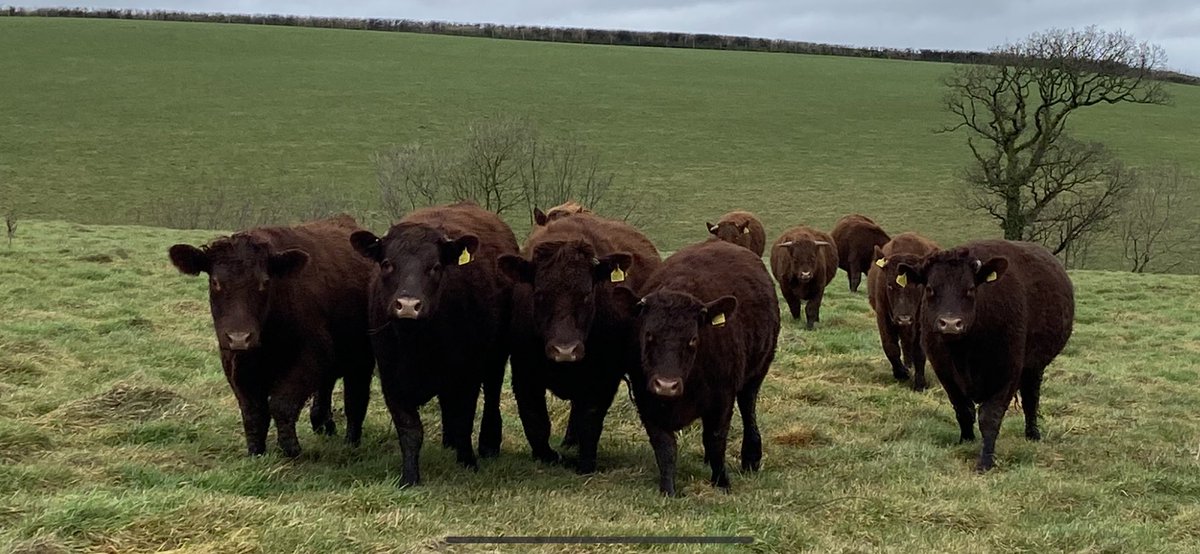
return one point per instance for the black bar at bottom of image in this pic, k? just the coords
(598, 540)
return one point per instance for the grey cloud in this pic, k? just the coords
(938, 24)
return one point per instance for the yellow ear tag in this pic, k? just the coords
(902, 280)
(992, 276)
(718, 320)
(881, 262)
(617, 276)
(465, 257)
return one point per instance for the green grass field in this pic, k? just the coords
(119, 434)
(107, 121)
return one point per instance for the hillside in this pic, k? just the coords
(122, 121)
(118, 433)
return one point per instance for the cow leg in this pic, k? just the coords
(591, 423)
(571, 437)
(812, 312)
(356, 394)
(1031, 392)
(535, 419)
(916, 357)
(460, 420)
(716, 438)
(320, 414)
(964, 410)
(256, 420)
(285, 411)
(991, 414)
(891, 346)
(411, 432)
(855, 277)
(747, 400)
(490, 428)
(794, 303)
(663, 443)
(442, 403)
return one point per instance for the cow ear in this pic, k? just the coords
(459, 251)
(516, 268)
(189, 260)
(912, 274)
(282, 264)
(367, 244)
(540, 217)
(626, 302)
(877, 255)
(711, 228)
(719, 311)
(613, 267)
(991, 270)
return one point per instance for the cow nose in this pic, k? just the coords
(407, 307)
(669, 388)
(950, 325)
(569, 352)
(238, 340)
(904, 319)
(805, 275)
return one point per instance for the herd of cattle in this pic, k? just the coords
(446, 298)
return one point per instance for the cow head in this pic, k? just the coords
(568, 281)
(903, 294)
(671, 326)
(950, 278)
(242, 271)
(413, 260)
(805, 255)
(541, 219)
(730, 231)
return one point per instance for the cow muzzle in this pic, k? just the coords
(565, 352)
(904, 320)
(949, 325)
(239, 340)
(666, 387)
(407, 307)
(805, 276)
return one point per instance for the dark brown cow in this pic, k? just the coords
(567, 338)
(289, 309)
(740, 228)
(856, 237)
(897, 304)
(708, 324)
(558, 212)
(804, 261)
(995, 314)
(439, 313)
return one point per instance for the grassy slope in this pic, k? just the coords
(118, 433)
(104, 120)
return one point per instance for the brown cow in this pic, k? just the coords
(804, 261)
(289, 309)
(856, 237)
(995, 314)
(558, 212)
(708, 324)
(439, 314)
(897, 304)
(740, 228)
(567, 337)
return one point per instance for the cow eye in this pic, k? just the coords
(929, 292)
(649, 338)
(970, 293)
(262, 285)
(692, 343)
(434, 269)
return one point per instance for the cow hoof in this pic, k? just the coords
(585, 467)
(900, 375)
(751, 465)
(570, 441)
(548, 456)
(966, 438)
(669, 491)
(256, 452)
(1033, 434)
(919, 387)
(408, 481)
(983, 467)
(330, 428)
(488, 451)
(291, 451)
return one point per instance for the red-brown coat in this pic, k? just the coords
(995, 314)
(897, 304)
(804, 261)
(740, 228)
(289, 311)
(707, 326)
(856, 237)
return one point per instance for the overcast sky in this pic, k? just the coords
(938, 24)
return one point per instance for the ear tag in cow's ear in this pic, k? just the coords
(718, 320)
(881, 262)
(465, 257)
(617, 276)
(992, 276)
(902, 280)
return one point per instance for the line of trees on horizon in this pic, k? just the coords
(546, 34)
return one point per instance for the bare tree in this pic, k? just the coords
(409, 177)
(490, 170)
(1027, 173)
(1148, 229)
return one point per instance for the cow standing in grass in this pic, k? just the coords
(289, 309)
(897, 304)
(567, 336)
(995, 314)
(707, 326)
(856, 237)
(439, 313)
(804, 261)
(740, 228)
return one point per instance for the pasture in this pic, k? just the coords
(118, 433)
(122, 122)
